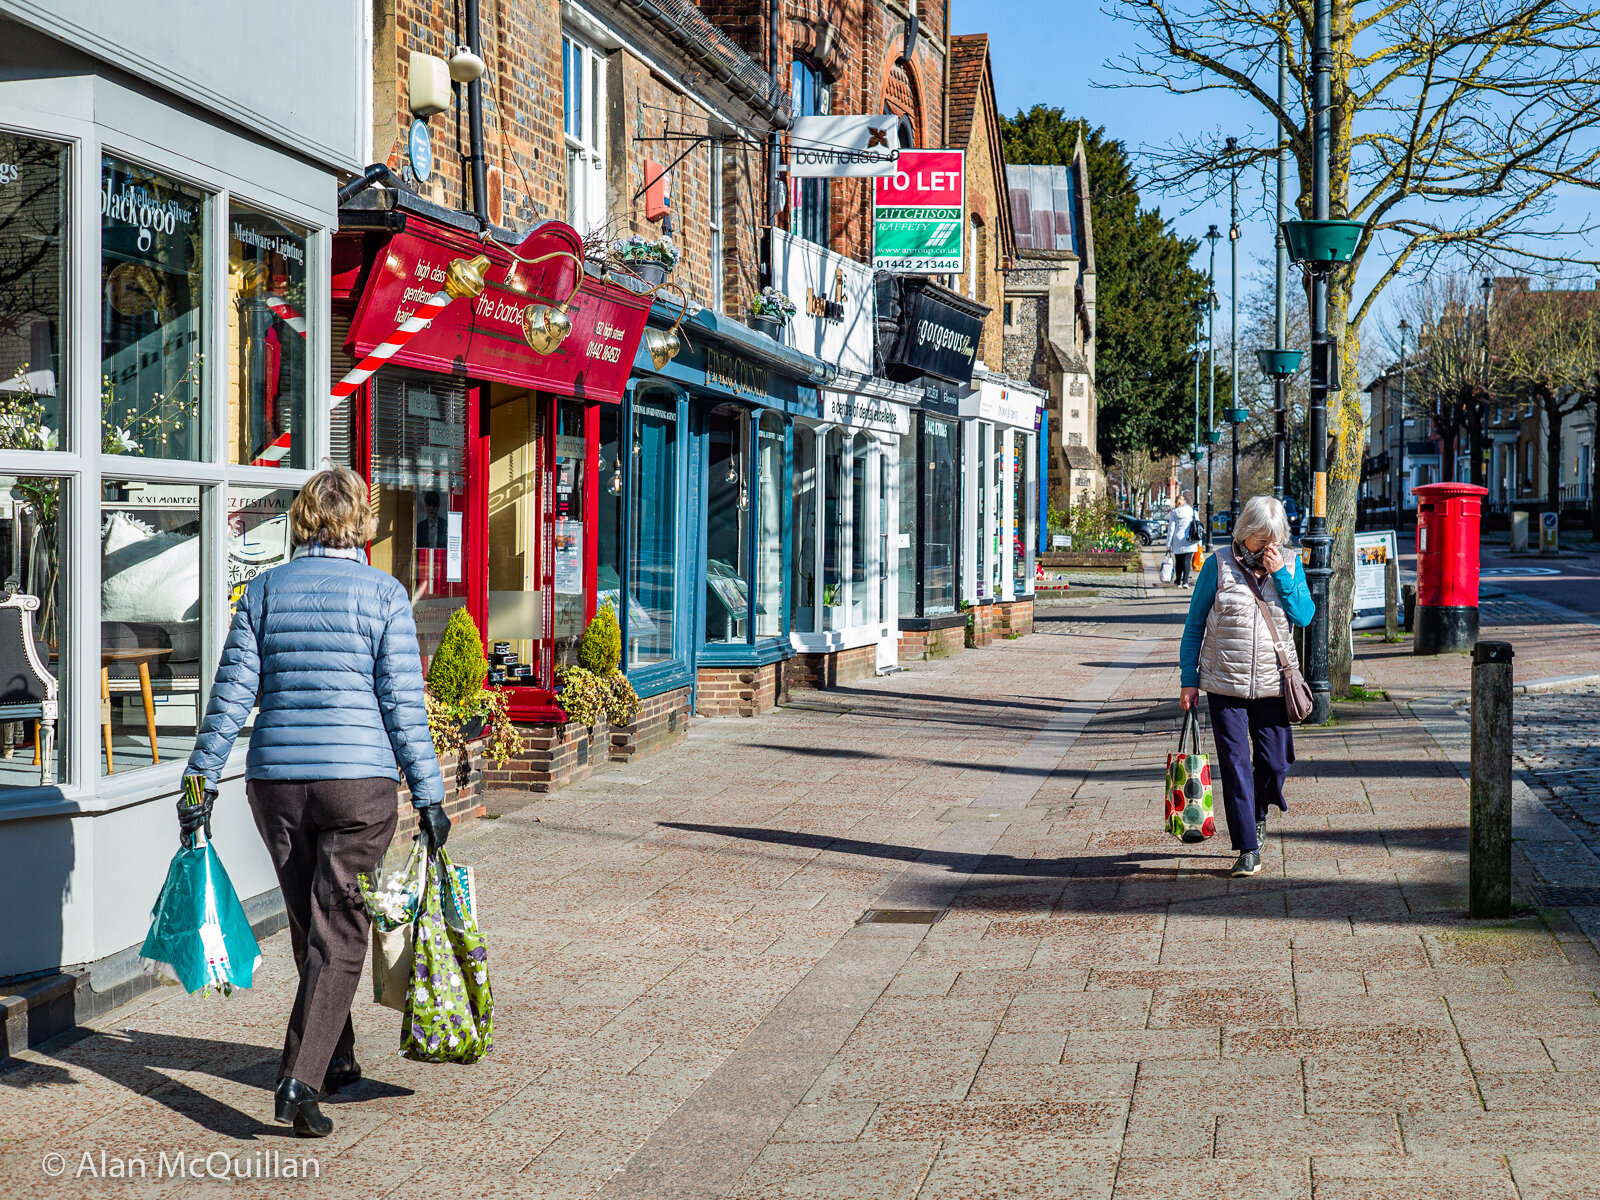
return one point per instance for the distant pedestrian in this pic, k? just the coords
(330, 646)
(1227, 652)
(1181, 540)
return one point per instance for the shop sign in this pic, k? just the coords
(856, 147)
(730, 373)
(837, 309)
(939, 396)
(1007, 406)
(865, 412)
(483, 338)
(919, 213)
(936, 338)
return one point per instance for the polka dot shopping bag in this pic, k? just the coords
(1189, 814)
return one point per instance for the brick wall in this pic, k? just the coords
(522, 101)
(464, 786)
(1016, 616)
(922, 645)
(833, 668)
(983, 624)
(860, 64)
(739, 691)
(663, 721)
(552, 756)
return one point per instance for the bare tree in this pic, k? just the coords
(1447, 377)
(1453, 121)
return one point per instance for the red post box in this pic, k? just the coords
(1447, 567)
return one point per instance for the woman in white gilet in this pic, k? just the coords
(1228, 653)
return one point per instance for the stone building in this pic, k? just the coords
(1049, 315)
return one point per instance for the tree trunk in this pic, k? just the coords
(1552, 454)
(1347, 435)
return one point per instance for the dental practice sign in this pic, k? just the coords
(919, 213)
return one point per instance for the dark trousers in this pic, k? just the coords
(1182, 560)
(321, 834)
(1255, 745)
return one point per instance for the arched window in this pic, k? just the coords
(900, 96)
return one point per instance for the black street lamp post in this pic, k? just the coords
(1400, 437)
(1213, 434)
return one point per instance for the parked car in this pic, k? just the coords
(1146, 529)
(1291, 508)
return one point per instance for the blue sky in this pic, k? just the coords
(1055, 52)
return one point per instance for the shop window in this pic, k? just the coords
(269, 352)
(804, 564)
(813, 97)
(941, 515)
(770, 438)
(611, 521)
(727, 525)
(906, 536)
(984, 519)
(1020, 476)
(572, 596)
(516, 564)
(862, 609)
(33, 290)
(999, 509)
(152, 273)
(419, 475)
(583, 85)
(652, 557)
(885, 525)
(258, 541)
(835, 537)
(33, 527)
(150, 622)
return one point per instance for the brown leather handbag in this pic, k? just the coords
(1295, 690)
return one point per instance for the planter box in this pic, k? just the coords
(1093, 559)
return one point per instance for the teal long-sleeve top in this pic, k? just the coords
(1292, 590)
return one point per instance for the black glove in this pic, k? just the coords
(196, 816)
(435, 826)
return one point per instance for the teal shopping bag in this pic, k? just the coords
(199, 934)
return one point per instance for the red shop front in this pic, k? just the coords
(483, 454)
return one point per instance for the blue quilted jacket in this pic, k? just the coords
(329, 646)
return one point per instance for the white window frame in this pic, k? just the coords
(82, 467)
(715, 224)
(585, 145)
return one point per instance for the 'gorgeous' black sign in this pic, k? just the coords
(936, 338)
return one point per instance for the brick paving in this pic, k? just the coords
(688, 1006)
(1557, 742)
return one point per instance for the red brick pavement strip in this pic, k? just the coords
(1100, 1011)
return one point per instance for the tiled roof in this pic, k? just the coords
(969, 56)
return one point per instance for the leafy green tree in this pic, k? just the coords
(1146, 291)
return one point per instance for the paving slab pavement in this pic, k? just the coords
(689, 1004)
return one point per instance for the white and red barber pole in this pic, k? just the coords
(278, 449)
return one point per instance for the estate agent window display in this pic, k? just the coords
(176, 456)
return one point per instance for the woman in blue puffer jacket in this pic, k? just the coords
(326, 646)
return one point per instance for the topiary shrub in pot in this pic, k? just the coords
(595, 686)
(460, 708)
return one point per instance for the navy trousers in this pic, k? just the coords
(1255, 745)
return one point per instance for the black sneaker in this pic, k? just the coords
(1249, 863)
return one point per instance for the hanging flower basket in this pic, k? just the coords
(1279, 364)
(1322, 244)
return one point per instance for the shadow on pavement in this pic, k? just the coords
(1148, 870)
(144, 1063)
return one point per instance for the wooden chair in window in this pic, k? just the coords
(27, 688)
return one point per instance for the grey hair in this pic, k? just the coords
(1263, 514)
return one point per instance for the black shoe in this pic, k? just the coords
(342, 1073)
(1249, 863)
(296, 1104)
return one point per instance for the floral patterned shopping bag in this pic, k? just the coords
(449, 1011)
(1189, 815)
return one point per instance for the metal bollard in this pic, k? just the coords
(1489, 849)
